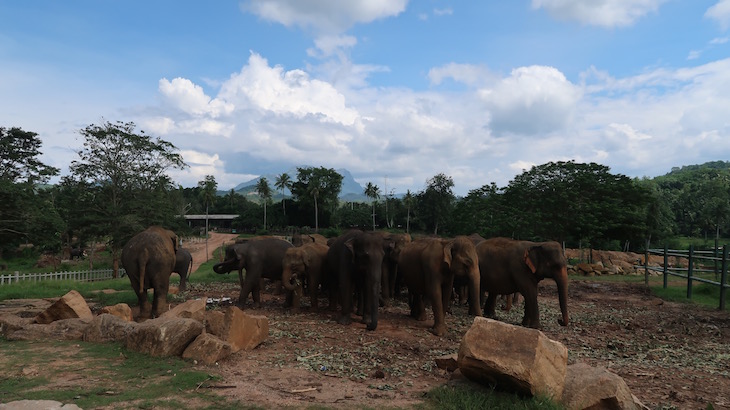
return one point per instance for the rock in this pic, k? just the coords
(11, 323)
(215, 322)
(71, 305)
(244, 331)
(207, 349)
(108, 327)
(64, 329)
(447, 362)
(121, 310)
(192, 309)
(163, 337)
(588, 387)
(515, 358)
(38, 404)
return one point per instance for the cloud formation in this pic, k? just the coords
(603, 13)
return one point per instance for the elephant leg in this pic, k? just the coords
(490, 306)
(532, 313)
(439, 298)
(145, 310)
(256, 295)
(313, 292)
(371, 298)
(246, 288)
(418, 310)
(159, 300)
(345, 298)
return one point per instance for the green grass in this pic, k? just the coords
(109, 376)
(471, 396)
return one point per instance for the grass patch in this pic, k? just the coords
(468, 397)
(102, 375)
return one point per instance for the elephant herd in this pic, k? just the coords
(363, 270)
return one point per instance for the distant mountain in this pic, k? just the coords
(351, 190)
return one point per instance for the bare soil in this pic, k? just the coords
(672, 356)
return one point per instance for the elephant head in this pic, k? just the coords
(460, 255)
(546, 260)
(295, 264)
(233, 260)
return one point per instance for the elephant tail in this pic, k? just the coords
(190, 267)
(142, 261)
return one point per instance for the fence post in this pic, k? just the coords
(646, 264)
(723, 277)
(665, 270)
(714, 253)
(690, 271)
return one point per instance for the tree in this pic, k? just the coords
(437, 201)
(373, 192)
(125, 172)
(283, 182)
(22, 205)
(208, 188)
(264, 191)
(409, 201)
(321, 185)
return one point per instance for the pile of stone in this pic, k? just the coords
(526, 362)
(615, 263)
(188, 330)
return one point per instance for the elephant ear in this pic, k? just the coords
(175, 241)
(529, 256)
(448, 246)
(306, 259)
(348, 244)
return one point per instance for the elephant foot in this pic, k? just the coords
(439, 330)
(372, 326)
(344, 320)
(421, 317)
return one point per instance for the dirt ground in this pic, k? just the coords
(672, 356)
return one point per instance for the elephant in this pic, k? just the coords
(301, 239)
(183, 266)
(262, 258)
(148, 259)
(355, 260)
(390, 282)
(508, 266)
(429, 266)
(78, 253)
(304, 264)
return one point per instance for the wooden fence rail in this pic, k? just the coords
(695, 258)
(80, 276)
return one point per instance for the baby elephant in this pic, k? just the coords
(303, 264)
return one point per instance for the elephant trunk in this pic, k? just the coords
(223, 267)
(561, 279)
(286, 279)
(475, 308)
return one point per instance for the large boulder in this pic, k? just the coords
(70, 306)
(588, 387)
(64, 329)
(108, 327)
(163, 337)
(121, 310)
(10, 323)
(192, 309)
(513, 358)
(241, 330)
(207, 349)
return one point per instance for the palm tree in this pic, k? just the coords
(208, 188)
(264, 191)
(373, 192)
(408, 201)
(283, 182)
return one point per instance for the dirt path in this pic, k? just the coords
(197, 249)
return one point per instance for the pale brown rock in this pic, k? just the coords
(163, 337)
(244, 331)
(514, 358)
(69, 306)
(447, 362)
(121, 310)
(64, 329)
(107, 327)
(588, 387)
(192, 309)
(11, 323)
(215, 322)
(207, 349)
(38, 404)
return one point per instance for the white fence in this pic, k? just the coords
(81, 276)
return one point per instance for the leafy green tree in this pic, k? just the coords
(264, 191)
(409, 201)
(126, 172)
(436, 202)
(321, 185)
(373, 192)
(23, 208)
(479, 212)
(282, 183)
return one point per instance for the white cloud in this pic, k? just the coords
(468, 74)
(532, 100)
(191, 98)
(329, 45)
(443, 12)
(324, 16)
(720, 12)
(603, 13)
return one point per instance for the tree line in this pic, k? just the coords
(118, 185)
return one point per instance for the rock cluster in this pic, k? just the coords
(188, 330)
(526, 362)
(615, 263)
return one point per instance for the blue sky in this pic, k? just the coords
(396, 89)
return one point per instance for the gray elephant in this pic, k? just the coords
(148, 259)
(508, 266)
(299, 239)
(304, 265)
(429, 266)
(355, 260)
(183, 266)
(391, 280)
(262, 258)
